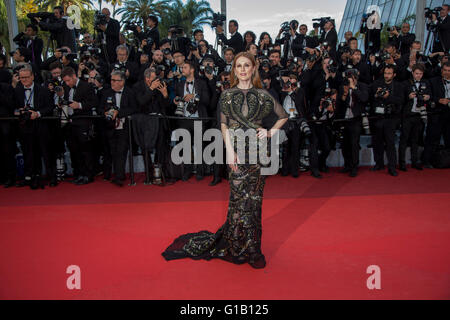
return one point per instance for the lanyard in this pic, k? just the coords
(30, 97)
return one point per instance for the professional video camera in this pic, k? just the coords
(321, 22)
(218, 19)
(100, 19)
(131, 26)
(44, 16)
(286, 27)
(192, 106)
(429, 12)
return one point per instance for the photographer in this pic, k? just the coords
(118, 103)
(293, 101)
(330, 36)
(361, 66)
(5, 75)
(198, 35)
(441, 26)
(302, 41)
(402, 40)
(129, 68)
(152, 31)
(192, 100)
(32, 42)
(414, 115)
(386, 102)
(32, 103)
(109, 34)
(290, 34)
(229, 57)
(80, 97)
(438, 124)
(7, 137)
(351, 103)
(236, 41)
(58, 28)
(178, 40)
(265, 43)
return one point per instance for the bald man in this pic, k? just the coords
(110, 35)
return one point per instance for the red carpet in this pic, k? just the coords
(319, 237)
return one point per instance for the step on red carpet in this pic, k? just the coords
(319, 238)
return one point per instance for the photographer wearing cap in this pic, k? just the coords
(386, 96)
(351, 103)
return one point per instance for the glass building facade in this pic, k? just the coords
(392, 12)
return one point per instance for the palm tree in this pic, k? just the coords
(139, 10)
(190, 16)
(48, 5)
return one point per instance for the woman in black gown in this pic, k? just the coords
(241, 107)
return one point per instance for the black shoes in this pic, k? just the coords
(402, 167)
(345, 170)
(316, 174)
(417, 167)
(215, 182)
(393, 172)
(377, 168)
(118, 182)
(353, 172)
(82, 180)
(9, 183)
(53, 182)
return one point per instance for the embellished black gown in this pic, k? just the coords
(238, 240)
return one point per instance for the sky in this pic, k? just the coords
(267, 15)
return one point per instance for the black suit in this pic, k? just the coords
(112, 38)
(7, 136)
(352, 127)
(384, 135)
(34, 45)
(34, 134)
(202, 90)
(301, 42)
(442, 41)
(133, 68)
(236, 42)
(116, 135)
(438, 124)
(403, 42)
(81, 129)
(154, 34)
(412, 124)
(331, 38)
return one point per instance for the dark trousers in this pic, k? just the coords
(189, 167)
(438, 125)
(384, 139)
(7, 149)
(81, 146)
(412, 128)
(320, 140)
(350, 145)
(118, 145)
(36, 144)
(291, 152)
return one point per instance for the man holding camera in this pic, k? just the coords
(236, 41)
(303, 41)
(441, 26)
(64, 36)
(438, 124)
(288, 39)
(118, 103)
(80, 97)
(414, 115)
(330, 36)
(109, 35)
(351, 102)
(386, 100)
(152, 31)
(192, 100)
(129, 68)
(403, 39)
(32, 42)
(32, 103)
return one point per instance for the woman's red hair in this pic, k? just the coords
(256, 80)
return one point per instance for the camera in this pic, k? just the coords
(421, 105)
(380, 94)
(57, 84)
(25, 113)
(99, 20)
(44, 16)
(192, 106)
(312, 57)
(131, 26)
(180, 107)
(390, 29)
(429, 12)
(265, 62)
(321, 22)
(120, 67)
(218, 19)
(175, 31)
(166, 51)
(223, 84)
(207, 70)
(349, 73)
(304, 127)
(332, 67)
(111, 108)
(365, 123)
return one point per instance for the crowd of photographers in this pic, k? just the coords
(82, 97)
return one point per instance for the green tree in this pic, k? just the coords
(48, 5)
(190, 16)
(139, 10)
